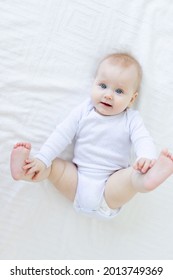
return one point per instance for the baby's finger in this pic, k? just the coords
(152, 162)
(29, 160)
(32, 170)
(146, 166)
(28, 166)
(135, 166)
(141, 163)
(35, 176)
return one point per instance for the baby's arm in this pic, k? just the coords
(61, 136)
(143, 164)
(143, 143)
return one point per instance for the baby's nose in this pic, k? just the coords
(108, 96)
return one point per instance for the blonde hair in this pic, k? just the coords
(125, 60)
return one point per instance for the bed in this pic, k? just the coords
(49, 51)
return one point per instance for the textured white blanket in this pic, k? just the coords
(49, 51)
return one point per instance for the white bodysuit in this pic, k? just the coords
(102, 146)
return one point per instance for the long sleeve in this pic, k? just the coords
(61, 137)
(142, 141)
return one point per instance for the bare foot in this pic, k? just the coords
(162, 169)
(20, 153)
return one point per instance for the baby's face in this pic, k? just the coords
(114, 88)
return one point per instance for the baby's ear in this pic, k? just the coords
(133, 98)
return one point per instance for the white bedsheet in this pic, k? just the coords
(49, 50)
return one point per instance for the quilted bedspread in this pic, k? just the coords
(49, 51)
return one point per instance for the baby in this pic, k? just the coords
(100, 180)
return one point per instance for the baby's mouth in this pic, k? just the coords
(106, 104)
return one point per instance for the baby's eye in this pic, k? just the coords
(102, 85)
(119, 91)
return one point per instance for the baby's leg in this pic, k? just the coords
(20, 153)
(62, 174)
(64, 177)
(125, 183)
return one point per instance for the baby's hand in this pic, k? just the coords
(143, 164)
(34, 166)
